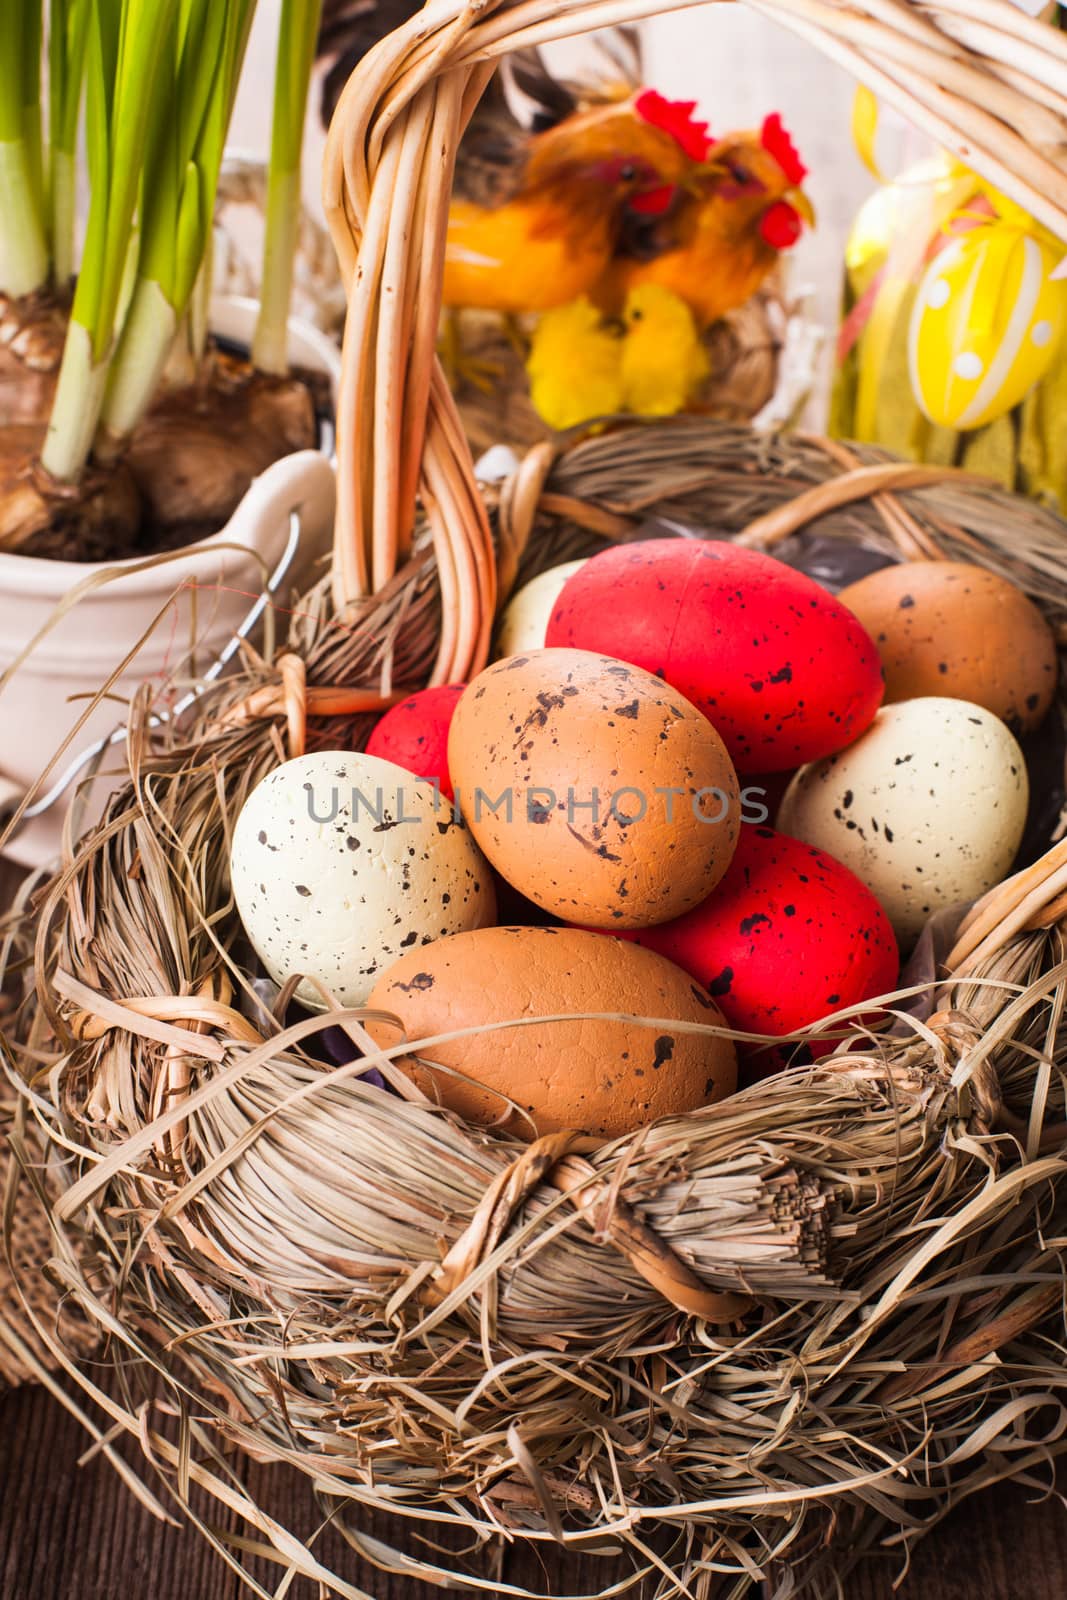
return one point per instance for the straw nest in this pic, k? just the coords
(748, 1341)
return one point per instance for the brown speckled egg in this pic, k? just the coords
(599, 792)
(948, 628)
(603, 1077)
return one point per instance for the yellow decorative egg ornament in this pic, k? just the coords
(988, 320)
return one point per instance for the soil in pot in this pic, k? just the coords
(93, 520)
(184, 471)
(32, 330)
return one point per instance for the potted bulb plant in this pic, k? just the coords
(127, 431)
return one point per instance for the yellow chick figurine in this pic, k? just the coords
(582, 365)
(574, 365)
(663, 359)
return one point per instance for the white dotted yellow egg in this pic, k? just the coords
(341, 862)
(986, 326)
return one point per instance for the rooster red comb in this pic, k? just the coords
(676, 118)
(776, 142)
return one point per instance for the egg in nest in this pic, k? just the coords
(782, 670)
(341, 862)
(524, 620)
(948, 628)
(571, 1030)
(595, 789)
(927, 808)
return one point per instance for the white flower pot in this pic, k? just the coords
(37, 711)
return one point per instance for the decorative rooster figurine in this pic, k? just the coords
(719, 241)
(634, 342)
(540, 204)
(572, 196)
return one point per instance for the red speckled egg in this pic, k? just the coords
(784, 671)
(414, 734)
(789, 936)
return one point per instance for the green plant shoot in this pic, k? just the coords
(125, 100)
(296, 55)
(68, 32)
(203, 54)
(24, 259)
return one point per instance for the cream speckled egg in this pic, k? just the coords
(525, 617)
(342, 862)
(927, 807)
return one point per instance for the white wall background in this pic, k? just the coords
(740, 66)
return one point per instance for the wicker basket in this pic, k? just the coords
(827, 1306)
(763, 355)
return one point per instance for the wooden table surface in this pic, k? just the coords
(75, 1533)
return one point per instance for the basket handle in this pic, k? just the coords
(387, 179)
(859, 483)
